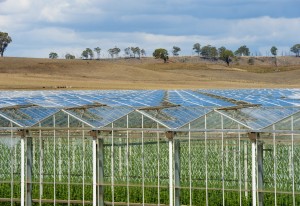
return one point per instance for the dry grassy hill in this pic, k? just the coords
(148, 73)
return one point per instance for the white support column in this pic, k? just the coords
(158, 166)
(170, 135)
(100, 168)
(112, 157)
(239, 156)
(292, 162)
(143, 164)
(54, 160)
(94, 145)
(190, 165)
(28, 173)
(260, 172)
(206, 161)
(177, 171)
(41, 150)
(29, 162)
(83, 165)
(246, 168)
(12, 165)
(69, 164)
(22, 171)
(252, 137)
(127, 162)
(275, 166)
(223, 169)
(253, 148)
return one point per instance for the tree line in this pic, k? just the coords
(207, 51)
(88, 53)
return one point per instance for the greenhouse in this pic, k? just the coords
(150, 147)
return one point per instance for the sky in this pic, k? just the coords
(38, 27)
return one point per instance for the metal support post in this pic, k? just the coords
(25, 135)
(94, 146)
(246, 168)
(98, 169)
(22, 170)
(29, 172)
(170, 136)
(260, 173)
(253, 138)
(177, 172)
(100, 152)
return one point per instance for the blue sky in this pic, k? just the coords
(39, 27)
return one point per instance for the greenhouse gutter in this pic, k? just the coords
(152, 129)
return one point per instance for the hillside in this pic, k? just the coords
(148, 73)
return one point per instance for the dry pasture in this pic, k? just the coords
(147, 73)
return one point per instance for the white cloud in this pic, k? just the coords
(14, 6)
(37, 25)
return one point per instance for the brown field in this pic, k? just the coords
(148, 73)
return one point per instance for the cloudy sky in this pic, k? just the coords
(38, 27)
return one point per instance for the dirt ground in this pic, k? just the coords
(148, 73)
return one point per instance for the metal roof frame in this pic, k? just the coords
(143, 100)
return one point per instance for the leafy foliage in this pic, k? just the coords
(197, 48)
(161, 54)
(4, 41)
(97, 50)
(114, 52)
(225, 55)
(143, 52)
(175, 50)
(242, 51)
(53, 55)
(273, 50)
(136, 51)
(69, 56)
(296, 49)
(209, 51)
(87, 53)
(221, 50)
(127, 51)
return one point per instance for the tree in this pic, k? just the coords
(175, 50)
(90, 52)
(53, 55)
(274, 51)
(127, 51)
(87, 53)
(209, 51)
(225, 55)
(143, 52)
(296, 49)
(242, 51)
(221, 50)
(197, 48)
(97, 50)
(114, 52)
(161, 54)
(69, 56)
(136, 51)
(4, 41)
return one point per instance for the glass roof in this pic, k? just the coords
(252, 108)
